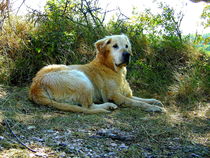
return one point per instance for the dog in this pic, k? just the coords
(96, 87)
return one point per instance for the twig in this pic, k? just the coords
(148, 133)
(65, 8)
(20, 6)
(18, 140)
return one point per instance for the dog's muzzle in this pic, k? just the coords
(126, 58)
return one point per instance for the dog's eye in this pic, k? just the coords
(115, 46)
(126, 46)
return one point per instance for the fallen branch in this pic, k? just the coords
(16, 137)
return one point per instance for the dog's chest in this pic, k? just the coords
(110, 88)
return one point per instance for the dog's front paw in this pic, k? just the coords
(110, 106)
(157, 102)
(155, 108)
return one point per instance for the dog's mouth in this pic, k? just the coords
(124, 63)
(120, 65)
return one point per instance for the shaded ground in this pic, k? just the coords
(123, 133)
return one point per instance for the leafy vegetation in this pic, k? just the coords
(204, 43)
(165, 65)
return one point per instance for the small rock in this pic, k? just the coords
(50, 131)
(86, 149)
(78, 149)
(89, 154)
(55, 133)
(113, 144)
(31, 127)
(111, 153)
(96, 136)
(40, 154)
(1, 148)
(194, 155)
(176, 139)
(123, 146)
(63, 154)
(148, 149)
(62, 144)
(115, 134)
(67, 133)
(1, 138)
(38, 139)
(71, 147)
(148, 155)
(81, 130)
(58, 137)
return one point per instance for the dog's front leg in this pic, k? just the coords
(131, 102)
(149, 101)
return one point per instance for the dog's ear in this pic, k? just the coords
(100, 44)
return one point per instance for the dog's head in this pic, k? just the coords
(114, 50)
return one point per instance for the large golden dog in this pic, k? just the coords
(94, 87)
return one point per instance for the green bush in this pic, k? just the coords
(192, 87)
(65, 34)
(14, 47)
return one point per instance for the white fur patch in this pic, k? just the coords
(117, 56)
(82, 77)
(69, 86)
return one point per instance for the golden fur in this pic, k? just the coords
(94, 87)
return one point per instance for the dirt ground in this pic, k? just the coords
(125, 132)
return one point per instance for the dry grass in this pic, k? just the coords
(178, 133)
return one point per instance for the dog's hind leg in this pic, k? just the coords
(68, 107)
(44, 96)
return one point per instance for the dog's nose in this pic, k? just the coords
(126, 55)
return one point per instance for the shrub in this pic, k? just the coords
(14, 45)
(65, 34)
